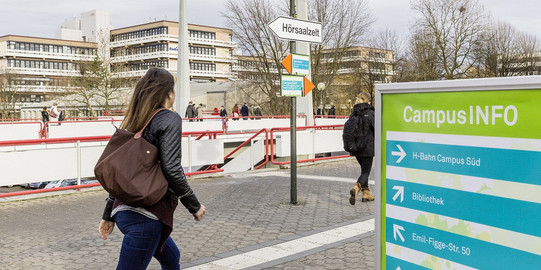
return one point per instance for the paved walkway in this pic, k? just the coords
(249, 224)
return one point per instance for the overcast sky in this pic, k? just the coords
(41, 18)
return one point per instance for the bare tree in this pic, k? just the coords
(7, 96)
(344, 23)
(455, 28)
(423, 61)
(248, 19)
(99, 84)
(530, 55)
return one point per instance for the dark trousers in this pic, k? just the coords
(366, 166)
(140, 243)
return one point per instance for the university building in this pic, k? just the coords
(136, 48)
(36, 71)
(33, 68)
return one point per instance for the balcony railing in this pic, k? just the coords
(144, 56)
(212, 58)
(47, 55)
(195, 73)
(171, 54)
(39, 88)
(172, 38)
(44, 72)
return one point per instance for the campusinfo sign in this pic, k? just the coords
(295, 86)
(459, 174)
(297, 64)
(295, 29)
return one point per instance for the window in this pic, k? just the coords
(202, 34)
(202, 66)
(139, 34)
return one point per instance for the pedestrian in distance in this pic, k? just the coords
(320, 110)
(359, 141)
(54, 112)
(257, 111)
(45, 120)
(223, 112)
(245, 111)
(147, 229)
(190, 111)
(199, 112)
(332, 111)
(235, 112)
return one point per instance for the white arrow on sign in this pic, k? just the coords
(400, 192)
(295, 29)
(398, 268)
(400, 153)
(396, 230)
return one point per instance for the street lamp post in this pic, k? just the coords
(321, 88)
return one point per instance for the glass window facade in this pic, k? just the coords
(202, 50)
(25, 46)
(139, 34)
(202, 34)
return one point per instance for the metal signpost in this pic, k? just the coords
(459, 174)
(293, 86)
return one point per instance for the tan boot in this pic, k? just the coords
(353, 192)
(366, 195)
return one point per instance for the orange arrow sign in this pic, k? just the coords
(287, 63)
(308, 86)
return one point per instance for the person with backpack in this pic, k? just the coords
(358, 140)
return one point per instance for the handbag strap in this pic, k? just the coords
(140, 133)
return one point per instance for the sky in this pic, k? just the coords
(41, 18)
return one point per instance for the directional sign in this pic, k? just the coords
(295, 86)
(401, 154)
(295, 29)
(297, 64)
(400, 192)
(460, 175)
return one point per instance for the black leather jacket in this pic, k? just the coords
(165, 132)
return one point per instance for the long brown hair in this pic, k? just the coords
(150, 93)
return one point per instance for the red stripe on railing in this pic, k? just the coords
(28, 192)
(303, 160)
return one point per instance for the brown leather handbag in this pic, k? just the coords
(129, 168)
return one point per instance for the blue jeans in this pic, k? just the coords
(140, 244)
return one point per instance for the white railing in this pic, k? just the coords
(171, 54)
(212, 42)
(143, 40)
(44, 72)
(48, 55)
(143, 56)
(213, 58)
(54, 160)
(172, 38)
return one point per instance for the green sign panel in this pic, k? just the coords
(292, 86)
(460, 175)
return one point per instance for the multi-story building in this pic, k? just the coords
(354, 60)
(136, 48)
(32, 68)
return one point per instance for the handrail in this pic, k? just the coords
(55, 140)
(303, 160)
(244, 143)
(78, 187)
(331, 116)
(28, 192)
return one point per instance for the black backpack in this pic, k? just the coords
(354, 136)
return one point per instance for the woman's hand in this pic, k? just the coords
(199, 215)
(106, 228)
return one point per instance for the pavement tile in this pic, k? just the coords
(244, 210)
